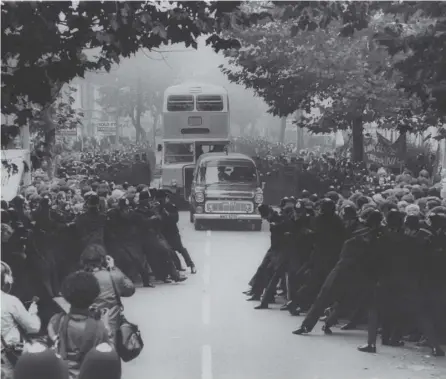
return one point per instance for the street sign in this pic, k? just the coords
(105, 128)
(68, 136)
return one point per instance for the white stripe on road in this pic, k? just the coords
(207, 248)
(208, 233)
(206, 309)
(206, 274)
(206, 362)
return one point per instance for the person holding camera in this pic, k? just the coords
(112, 283)
(17, 321)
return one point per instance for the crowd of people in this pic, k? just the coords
(376, 253)
(357, 243)
(89, 241)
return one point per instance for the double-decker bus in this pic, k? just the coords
(195, 121)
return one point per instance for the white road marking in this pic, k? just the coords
(207, 274)
(206, 309)
(208, 233)
(206, 362)
(207, 248)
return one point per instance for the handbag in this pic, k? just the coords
(13, 352)
(129, 343)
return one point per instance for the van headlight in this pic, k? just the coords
(173, 183)
(258, 198)
(199, 197)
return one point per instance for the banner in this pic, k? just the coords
(384, 153)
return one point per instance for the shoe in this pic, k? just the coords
(253, 298)
(167, 280)
(181, 269)
(247, 292)
(349, 326)
(262, 306)
(367, 348)
(437, 351)
(323, 318)
(149, 285)
(284, 307)
(393, 343)
(326, 329)
(193, 270)
(295, 311)
(179, 279)
(422, 343)
(301, 330)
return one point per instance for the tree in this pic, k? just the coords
(418, 28)
(37, 61)
(136, 87)
(348, 80)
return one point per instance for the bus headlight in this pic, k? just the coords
(173, 183)
(199, 197)
(258, 198)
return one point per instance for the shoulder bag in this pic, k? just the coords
(129, 343)
(12, 352)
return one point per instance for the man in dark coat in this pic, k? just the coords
(329, 237)
(264, 271)
(170, 230)
(123, 240)
(158, 251)
(90, 224)
(354, 252)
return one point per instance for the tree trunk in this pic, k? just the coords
(50, 140)
(358, 140)
(282, 130)
(140, 132)
(404, 145)
(118, 134)
(300, 143)
(154, 127)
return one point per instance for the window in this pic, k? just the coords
(178, 153)
(209, 103)
(228, 172)
(180, 103)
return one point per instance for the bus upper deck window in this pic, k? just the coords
(180, 103)
(210, 103)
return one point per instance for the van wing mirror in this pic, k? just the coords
(159, 148)
(263, 185)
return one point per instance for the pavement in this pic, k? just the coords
(204, 328)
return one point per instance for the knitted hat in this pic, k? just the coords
(39, 362)
(101, 362)
(413, 210)
(402, 205)
(408, 198)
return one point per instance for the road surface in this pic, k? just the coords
(204, 328)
